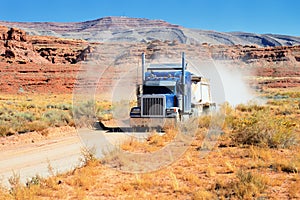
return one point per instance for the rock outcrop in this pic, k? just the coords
(18, 47)
(253, 54)
(50, 64)
(125, 29)
(57, 50)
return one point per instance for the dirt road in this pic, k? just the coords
(61, 154)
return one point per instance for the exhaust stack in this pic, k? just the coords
(143, 68)
(183, 82)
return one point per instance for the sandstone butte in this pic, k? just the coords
(47, 64)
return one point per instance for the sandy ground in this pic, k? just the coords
(32, 154)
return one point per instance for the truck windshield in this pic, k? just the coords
(158, 89)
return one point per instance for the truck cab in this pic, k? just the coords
(168, 90)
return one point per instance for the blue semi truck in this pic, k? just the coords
(167, 91)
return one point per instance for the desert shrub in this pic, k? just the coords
(6, 114)
(103, 112)
(15, 122)
(36, 126)
(276, 102)
(56, 118)
(285, 166)
(205, 121)
(9, 115)
(19, 126)
(35, 180)
(249, 107)
(263, 128)
(84, 114)
(64, 106)
(20, 114)
(226, 108)
(5, 129)
(19, 122)
(25, 116)
(15, 183)
(247, 185)
(84, 109)
(290, 108)
(88, 155)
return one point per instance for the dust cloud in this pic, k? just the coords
(236, 89)
(227, 82)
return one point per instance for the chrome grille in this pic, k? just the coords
(153, 106)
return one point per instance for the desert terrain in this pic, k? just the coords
(256, 154)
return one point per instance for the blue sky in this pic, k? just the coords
(258, 16)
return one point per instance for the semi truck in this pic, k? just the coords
(169, 91)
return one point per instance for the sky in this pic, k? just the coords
(256, 16)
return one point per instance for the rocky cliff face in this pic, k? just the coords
(124, 29)
(50, 64)
(18, 47)
(38, 63)
(253, 54)
(15, 47)
(59, 51)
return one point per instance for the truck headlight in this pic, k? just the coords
(171, 110)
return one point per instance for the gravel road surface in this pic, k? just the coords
(62, 154)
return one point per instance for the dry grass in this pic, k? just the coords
(234, 169)
(246, 185)
(294, 189)
(261, 126)
(27, 113)
(24, 113)
(152, 143)
(225, 173)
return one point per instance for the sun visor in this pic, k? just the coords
(160, 83)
